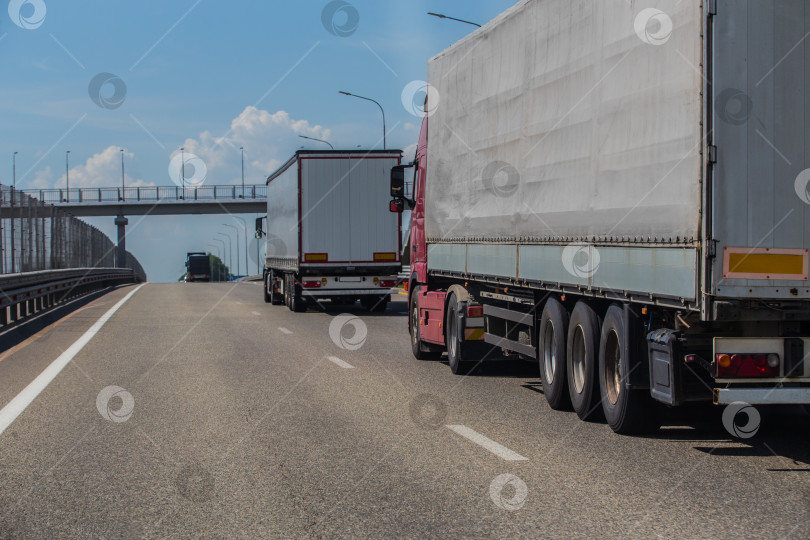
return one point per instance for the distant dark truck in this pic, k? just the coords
(198, 267)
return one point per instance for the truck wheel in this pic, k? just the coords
(551, 337)
(375, 304)
(267, 295)
(582, 356)
(420, 350)
(627, 412)
(297, 302)
(459, 365)
(276, 299)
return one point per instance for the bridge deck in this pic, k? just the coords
(153, 200)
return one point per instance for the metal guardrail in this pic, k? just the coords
(149, 194)
(25, 294)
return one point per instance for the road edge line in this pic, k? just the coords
(21, 401)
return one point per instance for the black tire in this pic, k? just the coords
(628, 412)
(551, 346)
(267, 295)
(375, 304)
(276, 299)
(421, 351)
(297, 302)
(459, 364)
(582, 357)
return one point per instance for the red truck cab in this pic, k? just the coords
(430, 318)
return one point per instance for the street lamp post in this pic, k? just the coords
(13, 189)
(222, 259)
(67, 176)
(183, 170)
(244, 227)
(123, 196)
(373, 101)
(218, 256)
(230, 252)
(319, 140)
(243, 171)
(439, 15)
(236, 233)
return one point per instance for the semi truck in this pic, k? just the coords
(329, 235)
(618, 191)
(198, 267)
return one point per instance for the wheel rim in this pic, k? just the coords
(578, 352)
(549, 356)
(613, 367)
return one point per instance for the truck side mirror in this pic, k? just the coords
(259, 231)
(397, 206)
(398, 181)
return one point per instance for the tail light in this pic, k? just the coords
(388, 283)
(312, 284)
(747, 365)
(475, 311)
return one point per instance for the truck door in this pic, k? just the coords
(374, 228)
(761, 129)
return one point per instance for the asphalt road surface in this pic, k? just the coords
(197, 410)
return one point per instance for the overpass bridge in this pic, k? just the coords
(156, 200)
(120, 202)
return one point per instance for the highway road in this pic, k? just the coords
(197, 410)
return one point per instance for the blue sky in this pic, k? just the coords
(196, 72)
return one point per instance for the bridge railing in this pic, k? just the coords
(149, 194)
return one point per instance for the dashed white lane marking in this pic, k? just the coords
(16, 406)
(485, 442)
(284, 330)
(257, 313)
(341, 363)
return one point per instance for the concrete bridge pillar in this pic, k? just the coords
(121, 254)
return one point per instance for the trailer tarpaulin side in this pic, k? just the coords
(591, 128)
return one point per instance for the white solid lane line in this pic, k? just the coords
(284, 330)
(16, 406)
(341, 363)
(485, 442)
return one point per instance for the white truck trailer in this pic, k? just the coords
(329, 233)
(619, 190)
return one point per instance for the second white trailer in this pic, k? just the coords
(329, 232)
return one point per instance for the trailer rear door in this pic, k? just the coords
(761, 128)
(345, 216)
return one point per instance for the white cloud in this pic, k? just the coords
(43, 179)
(101, 170)
(409, 152)
(268, 138)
